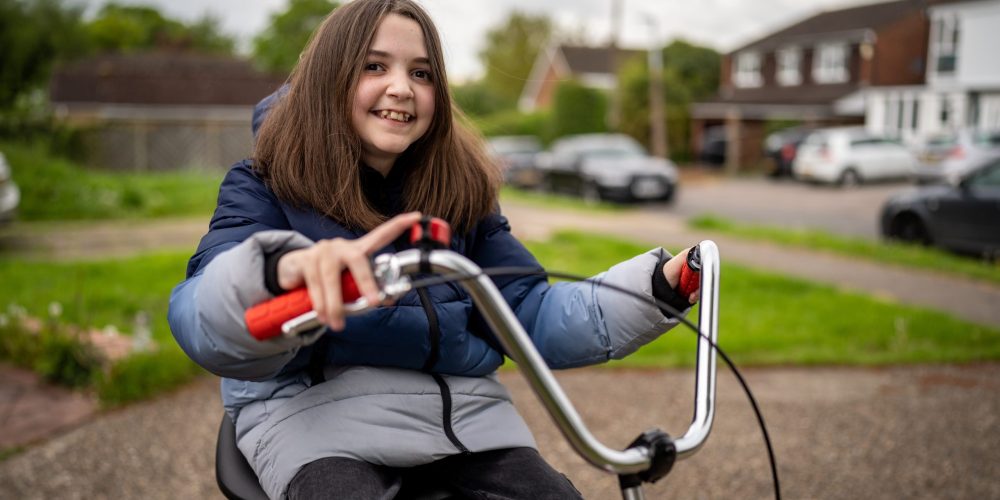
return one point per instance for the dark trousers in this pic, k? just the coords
(510, 474)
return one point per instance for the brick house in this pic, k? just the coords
(161, 110)
(595, 67)
(815, 71)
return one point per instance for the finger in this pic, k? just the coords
(695, 295)
(290, 274)
(361, 271)
(388, 231)
(314, 285)
(331, 265)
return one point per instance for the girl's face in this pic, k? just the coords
(394, 103)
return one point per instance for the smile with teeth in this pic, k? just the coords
(398, 116)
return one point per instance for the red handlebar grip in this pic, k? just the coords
(690, 273)
(690, 280)
(264, 320)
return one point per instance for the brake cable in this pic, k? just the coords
(532, 271)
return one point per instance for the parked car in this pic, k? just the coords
(517, 157)
(782, 146)
(607, 167)
(962, 215)
(713, 146)
(10, 196)
(849, 156)
(945, 156)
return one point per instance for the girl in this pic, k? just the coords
(363, 139)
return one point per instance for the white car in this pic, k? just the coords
(947, 157)
(10, 196)
(849, 156)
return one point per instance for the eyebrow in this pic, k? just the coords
(379, 53)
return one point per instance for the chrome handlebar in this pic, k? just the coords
(393, 271)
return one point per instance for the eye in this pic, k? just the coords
(373, 66)
(422, 74)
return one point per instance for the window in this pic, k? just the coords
(944, 44)
(830, 63)
(747, 70)
(788, 66)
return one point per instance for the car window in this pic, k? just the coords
(987, 177)
(942, 141)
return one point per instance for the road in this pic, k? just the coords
(785, 203)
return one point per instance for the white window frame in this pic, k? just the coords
(830, 63)
(944, 42)
(746, 71)
(789, 66)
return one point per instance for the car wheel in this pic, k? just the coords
(590, 194)
(909, 228)
(850, 178)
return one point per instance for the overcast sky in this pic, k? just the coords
(720, 24)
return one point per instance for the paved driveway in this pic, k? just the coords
(902, 432)
(785, 203)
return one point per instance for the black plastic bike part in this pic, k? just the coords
(664, 455)
(236, 480)
(527, 271)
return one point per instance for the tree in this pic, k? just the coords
(33, 36)
(510, 52)
(277, 49)
(126, 28)
(689, 73)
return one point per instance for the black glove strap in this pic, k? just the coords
(663, 291)
(271, 271)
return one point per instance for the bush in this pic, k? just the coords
(143, 375)
(514, 123)
(578, 109)
(53, 351)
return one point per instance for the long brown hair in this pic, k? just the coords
(309, 154)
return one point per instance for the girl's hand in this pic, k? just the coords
(672, 271)
(319, 268)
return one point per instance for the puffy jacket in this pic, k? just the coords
(381, 402)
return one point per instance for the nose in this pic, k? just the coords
(399, 86)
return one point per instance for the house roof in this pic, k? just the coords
(161, 78)
(593, 59)
(847, 23)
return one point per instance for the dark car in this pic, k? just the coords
(713, 146)
(517, 157)
(607, 167)
(962, 215)
(782, 146)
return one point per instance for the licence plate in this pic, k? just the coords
(648, 188)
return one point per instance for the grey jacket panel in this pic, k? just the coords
(583, 323)
(385, 416)
(211, 329)
(393, 416)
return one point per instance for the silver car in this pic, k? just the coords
(607, 167)
(10, 196)
(946, 157)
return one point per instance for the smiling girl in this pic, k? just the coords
(360, 142)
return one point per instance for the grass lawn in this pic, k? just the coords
(897, 254)
(54, 188)
(770, 319)
(557, 201)
(765, 318)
